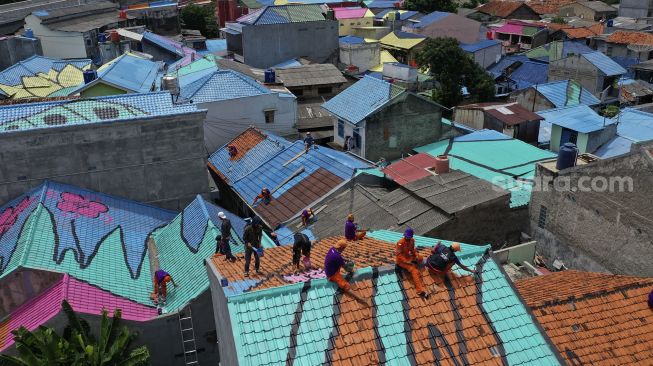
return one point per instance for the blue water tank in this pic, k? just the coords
(29, 33)
(567, 156)
(101, 37)
(397, 16)
(269, 76)
(610, 23)
(89, 75)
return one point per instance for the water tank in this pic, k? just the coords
(101, 37)
(171, 84)
(29, 33)
(270, 76)
(89, 75)
(610, 23)
(115, 37)
(441, 164)
(397, 16)
(567, 156)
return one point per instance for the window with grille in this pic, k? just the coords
(542, 219)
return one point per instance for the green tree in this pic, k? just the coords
(77, 346)
(610, 111)
(558, 20)
(453, 69)
(201, 18)
(429, 6)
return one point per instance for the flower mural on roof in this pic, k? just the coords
(80, 206)
(9, 216)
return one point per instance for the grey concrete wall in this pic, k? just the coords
(532, 100)
(160, 20)
(463, 29)
(14, 49)
(364, 56)
(635, 8)
(226, 343)
(270, 44)
(598, 138)
(408, 122)
(608, 231)
(579, 69)
(160, 161)
(488, 56)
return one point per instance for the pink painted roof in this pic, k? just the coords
(510, 28)
(349, 13)
(410, 169)
(83, 297)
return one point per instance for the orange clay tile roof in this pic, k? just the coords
(311, 323)
(501, 9)
(638, 38)
(594, 318)
(576, 33)
(548, 6)
(246, 141)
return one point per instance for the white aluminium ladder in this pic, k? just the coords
(188, 336)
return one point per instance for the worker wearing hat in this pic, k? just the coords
(333, 261)
(443, 257)
(223, 246)
(406, 257)
(308, 141)
(351, 229)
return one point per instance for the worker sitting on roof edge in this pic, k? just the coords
(442, 258)
(161, 278)
(333, 261)
(407, 258)
(352, 232)
(307, 216)
(302, 245)
(264, 196)
(233, 151)
(308, 141)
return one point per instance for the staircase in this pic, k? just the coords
(188, 336)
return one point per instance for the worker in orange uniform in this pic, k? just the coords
(352, 232)
(442, 258)
(407, 258)
(264, 196)
(161, 278)
(333, 261)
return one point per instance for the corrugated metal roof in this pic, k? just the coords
(615, 147)
(402, 40)
(165, 43)
(222, 85)
(130, 72)
(280, 14)
(361, 99)
(604, 63)
(403, 14)
(635, 125)
(558, 49)
(215, 45)
(310, 75)
(526, 74)
(195, 70)
(351, 40)
(566, 93)
(579, 118)
(473, 47)
(429, 19)
(382, 4)
(410, 169)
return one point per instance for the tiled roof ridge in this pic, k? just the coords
(38, 211)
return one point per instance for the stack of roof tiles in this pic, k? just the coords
(279, 316)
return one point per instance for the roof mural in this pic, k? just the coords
(466, 321)
(21, 117)
(40, 76)
(496, 158)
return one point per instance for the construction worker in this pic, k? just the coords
(233, 151)
(302, 245)
(308, 141)
(407, 258)
(351, 229)
(307, 216)
(223, 246)
(264, 196)
(252, 238)
(333, 261)
(161, 278)
(650, 300)
(442, 258)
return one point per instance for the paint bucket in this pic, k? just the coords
(224, 282)
(259, 250)
(307, 262)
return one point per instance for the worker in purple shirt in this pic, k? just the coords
(351, 229)
(161, 278)
(333, 261)
(650, 300)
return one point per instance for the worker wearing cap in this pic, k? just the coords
(252, 238)
(264, 196)
(442, 258)
(223, 246)
(161, 278)
(406, 257)
(308, 141)
(351, 230)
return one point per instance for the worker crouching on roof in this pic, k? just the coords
(307, 216)
(233, 151)
(333, 261)
(351, 229)
(302, 245)
(264, 196)
(406, 257)
(161, 278)
(442, 258)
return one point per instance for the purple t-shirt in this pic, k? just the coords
(332, 262)
(650, 299)
(350, 230)
(160, 275)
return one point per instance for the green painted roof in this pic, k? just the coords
(496, 158)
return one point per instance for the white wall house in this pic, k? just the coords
(57, 44)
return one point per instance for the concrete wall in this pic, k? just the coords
(473, 118)
(619, 50)
(345, 26)
(57, 44)
(636, 8)
(270, 44)
(373, 32)
(160, 20)
(226, 119)
(14, 49)
(455, 26)
(160, 161)
(583, 12)
(488, 56)
(598, 231)
(22, 285)
(226, 343)
(597, 138)
(316, 91)
(364, 55)
(579, 69)
(532, 100)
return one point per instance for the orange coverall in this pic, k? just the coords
(405, 254)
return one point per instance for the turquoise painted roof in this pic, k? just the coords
(496, 158)
(470, 321)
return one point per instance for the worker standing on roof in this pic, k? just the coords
(252, 238)
(406, 257)
(161, 278)
(307, 216)
(264, 196)
(223, 246)
(442, 258)
(302, 245)
(308, 141)
(352, 232)
(333, 261)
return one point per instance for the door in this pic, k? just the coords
(568, 136)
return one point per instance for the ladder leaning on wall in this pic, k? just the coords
(188, 336)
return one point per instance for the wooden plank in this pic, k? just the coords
(291, 176)
(294, 158)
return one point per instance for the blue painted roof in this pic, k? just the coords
(429, 19)
(579, 118)
(166, 44)
(34, 65)
(288, 63)
(604, 63)
(351, 40)
(626, 63)
(527, 74)
(473, 47)
(635, 125)
(222, 85)
(363, 98)
(557, 50)
(562, 93)
(92, 110)
(615, 147)
(216, 45)
(132, 73)
(381, 4)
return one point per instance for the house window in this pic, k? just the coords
(541, 222)
(341, 128)
(269, 116)
(342, 24)
(325, 90)
(357, 137)
(297, 92)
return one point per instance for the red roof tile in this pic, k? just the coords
(246, 141)
(410, 169)
(594, 318)
(637, 38)
(548, 6)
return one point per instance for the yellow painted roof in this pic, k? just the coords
(385, 58)
(405, 43)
